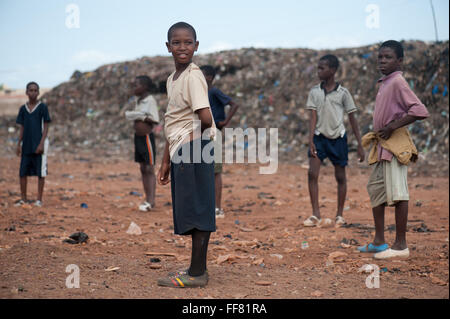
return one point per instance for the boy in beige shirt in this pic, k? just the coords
(192, 177)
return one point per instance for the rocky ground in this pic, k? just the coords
(258, 250)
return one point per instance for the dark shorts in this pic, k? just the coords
(193, 197)
(33, 165)
(335, 149)
(144, 149)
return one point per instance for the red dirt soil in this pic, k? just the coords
(256, 251)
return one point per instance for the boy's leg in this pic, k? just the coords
(396, 180)
(23, 188)
(378, 217)
(41, 183)
(149, 182)
(401, 220)
(339, 173)
(313, 184)
(218, 189)
(23, 172)
(377, 193)
(200, 240)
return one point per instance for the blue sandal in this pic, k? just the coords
(370, 248)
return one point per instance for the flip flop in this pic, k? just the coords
(371, 248)
(311, 221)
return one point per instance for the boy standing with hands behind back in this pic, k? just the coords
(192, 181)
(328, 101)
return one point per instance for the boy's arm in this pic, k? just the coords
(416, 111)
(205, 118)
(230, 114)
(18, 150)
(40, 148)
(386, 132)
(151, 110)
(312, 128)
(163, 174)
(355, 128)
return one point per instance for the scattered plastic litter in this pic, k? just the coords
(134, 229)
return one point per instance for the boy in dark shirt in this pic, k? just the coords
(218, 100)
(34, 120)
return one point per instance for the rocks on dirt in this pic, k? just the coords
(134, 229)
(325, 223)
(263, 283)
(230, 258)
(423, 228)
(77, 238)
(337, 256)
(345, 243)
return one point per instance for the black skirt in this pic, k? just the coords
(193, 193)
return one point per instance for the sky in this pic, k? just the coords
(46, 41)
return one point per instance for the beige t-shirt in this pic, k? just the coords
(186, 95)
(331, 108)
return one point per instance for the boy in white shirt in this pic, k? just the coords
(145, 116)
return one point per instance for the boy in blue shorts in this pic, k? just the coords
(218, 100)
(192, 180)
(32, 146)
(328, 102)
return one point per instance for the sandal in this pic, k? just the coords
(184, 281)
(371, 248)
(220, 213)
(20, 203)
(145, 207)
(392, 253)
(311, 221)
(340, 221)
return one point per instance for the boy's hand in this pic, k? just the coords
(221, 124)
(361, 153)
(18, 150)
(386, 132)
(40, 149)
(312, 149)
(163, 174)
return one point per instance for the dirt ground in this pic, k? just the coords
(256, 251)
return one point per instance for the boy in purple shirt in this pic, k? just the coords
(396, 106)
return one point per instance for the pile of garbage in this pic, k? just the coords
(270, 85)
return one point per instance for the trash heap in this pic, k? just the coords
(270, 85)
